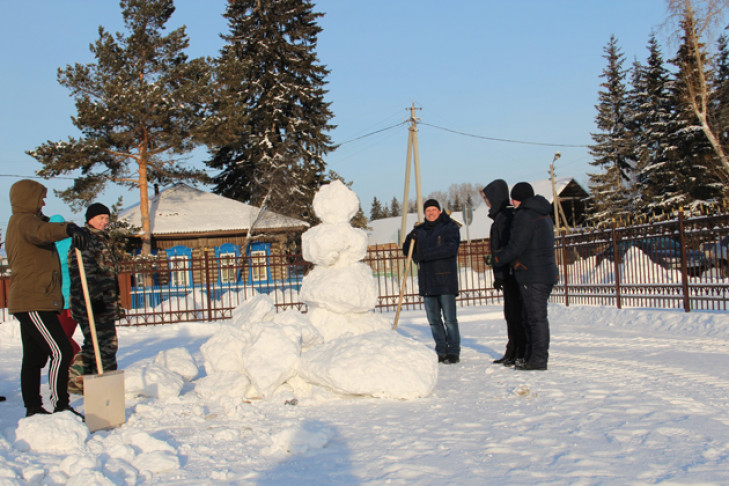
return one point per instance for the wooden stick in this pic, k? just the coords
(89, 311)
(403, 282)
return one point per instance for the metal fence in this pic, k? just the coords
(673, 264)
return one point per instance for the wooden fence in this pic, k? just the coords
(673, 264)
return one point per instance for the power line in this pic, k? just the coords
(523, 142)
(374, 133)
(35, 177)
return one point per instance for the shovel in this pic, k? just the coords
(104, 406)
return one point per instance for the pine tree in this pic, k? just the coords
(612, 151)
(376, 211)
(138, 105)
(272, 139)
(691, 173)
(653, 108)
(395, 207)
(719, 112)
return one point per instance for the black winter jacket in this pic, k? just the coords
(497, 192)
(530, 250)
(436, 253)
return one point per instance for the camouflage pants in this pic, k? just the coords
(108, 345)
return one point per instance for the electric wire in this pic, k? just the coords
(523, 142)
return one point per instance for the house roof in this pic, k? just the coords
(387, 230)
(184, 209)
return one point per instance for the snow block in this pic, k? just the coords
(377, 364)
(334, 244)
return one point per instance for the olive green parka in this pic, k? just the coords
(35, 271)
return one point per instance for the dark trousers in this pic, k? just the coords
(516, 345)
(43, 337)
(535, 296)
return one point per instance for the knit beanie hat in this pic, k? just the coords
(522, 191)
(431, 202)
(95, 210)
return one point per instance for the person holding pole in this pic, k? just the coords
(496, 196)
(530, 253)
(35, 296)
(101, 269)
(436, 252)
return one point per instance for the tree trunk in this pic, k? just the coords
(144, 202)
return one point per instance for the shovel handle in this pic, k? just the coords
(89, 311)
(403, 282)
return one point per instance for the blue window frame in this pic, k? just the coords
(258, 254)
(179, 259)
(227, 255)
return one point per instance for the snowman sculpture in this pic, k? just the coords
(340, 291)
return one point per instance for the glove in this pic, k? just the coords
(489, 259)
(79, 236)
(98, 306)
(498, 284)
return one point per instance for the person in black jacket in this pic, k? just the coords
(496, 196)
(436, 253)
(530, 252)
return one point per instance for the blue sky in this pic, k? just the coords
(524, 70)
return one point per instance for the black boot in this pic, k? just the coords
(508, 357)
(35, 411)
(68, 408)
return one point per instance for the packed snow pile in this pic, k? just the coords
(340, 345)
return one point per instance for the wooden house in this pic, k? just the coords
(187, 224)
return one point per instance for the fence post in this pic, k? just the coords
(207, 285)
(684, 269)
(616, 265)
(564, 267)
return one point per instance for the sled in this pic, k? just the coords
(104, 405)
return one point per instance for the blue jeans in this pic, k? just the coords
(446, 336)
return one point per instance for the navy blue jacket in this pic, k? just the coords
(436, 253)
(530, 250)
(497, 192)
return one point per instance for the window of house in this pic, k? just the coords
(179, 273)
(228, 271)
(258, 265)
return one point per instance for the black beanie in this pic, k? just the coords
(522, 191)
(429, 203)
(95, 210)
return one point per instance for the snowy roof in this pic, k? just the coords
(387, 230)
(184, 209)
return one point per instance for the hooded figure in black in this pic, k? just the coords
(530, 253)
(496, 196)
(436, 253)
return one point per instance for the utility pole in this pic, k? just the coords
(412, 153)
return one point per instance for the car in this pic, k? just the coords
(663, 251)
(717, 252)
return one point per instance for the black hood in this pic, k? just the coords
(497, 192)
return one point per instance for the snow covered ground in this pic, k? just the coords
(630, 397)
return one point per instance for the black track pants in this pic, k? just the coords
(43, 337)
